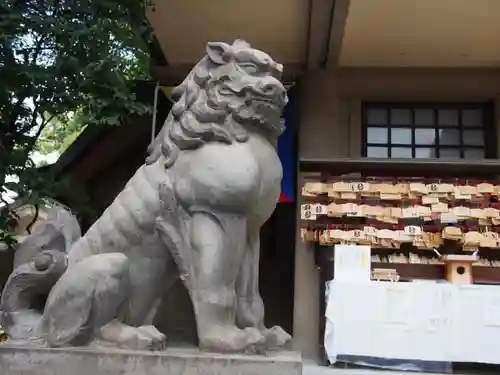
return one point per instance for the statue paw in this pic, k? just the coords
(232, 339)
(276, 337)
(158, 339)
(140, 338)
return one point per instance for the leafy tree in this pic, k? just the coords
(64, 64)
(60, 132)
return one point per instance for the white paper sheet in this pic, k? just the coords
(352, 263)
(491, 303)
(397, 304)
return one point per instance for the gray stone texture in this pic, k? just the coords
(84, 361)
(192, 212)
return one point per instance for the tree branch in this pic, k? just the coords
(33, 140)
(35, 218)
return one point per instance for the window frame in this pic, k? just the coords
(488, 127)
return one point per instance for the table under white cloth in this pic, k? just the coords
(413, 321)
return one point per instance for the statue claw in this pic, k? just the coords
(233, 339)
(159, 340)
(276, 337)
(124, 336)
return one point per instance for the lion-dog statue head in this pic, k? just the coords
(232, 91)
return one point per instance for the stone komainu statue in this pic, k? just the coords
(211, 180)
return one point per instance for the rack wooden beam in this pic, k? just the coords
(403, 167)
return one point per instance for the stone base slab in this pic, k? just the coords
(22, 360)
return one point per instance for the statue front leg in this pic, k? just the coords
(218, 243)
(250, 307)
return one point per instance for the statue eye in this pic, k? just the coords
(250, 68)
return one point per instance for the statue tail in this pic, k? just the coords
(39, 262)
(58, 232)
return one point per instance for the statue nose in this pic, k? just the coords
(270, 88)
(273, 89)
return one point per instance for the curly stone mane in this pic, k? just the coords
(199, 115)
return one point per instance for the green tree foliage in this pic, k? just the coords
(59, 133)
(64, 64)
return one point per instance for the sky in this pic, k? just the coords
(38, 159)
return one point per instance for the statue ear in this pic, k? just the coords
(219, 52)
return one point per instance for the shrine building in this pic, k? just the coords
(387, 89)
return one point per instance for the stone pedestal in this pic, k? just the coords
(22, 360)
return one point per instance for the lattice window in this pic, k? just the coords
(455, 131)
